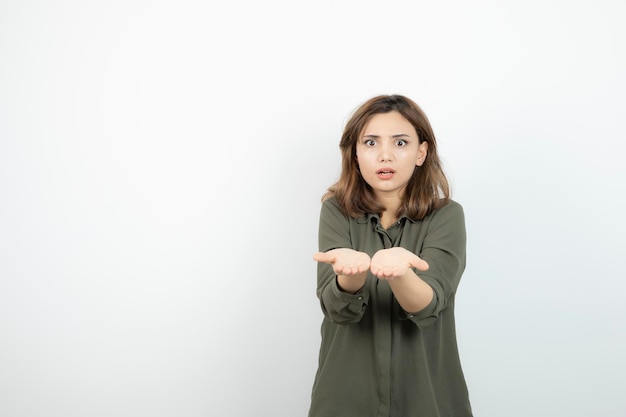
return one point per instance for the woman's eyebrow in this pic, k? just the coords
(399, 135)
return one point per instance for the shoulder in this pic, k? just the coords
(452, 208)
(331, 211)
(331, 203)
(331, 207)
(451, 212)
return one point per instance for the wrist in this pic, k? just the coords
(351, 283)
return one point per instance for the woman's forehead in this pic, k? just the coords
(388, 124)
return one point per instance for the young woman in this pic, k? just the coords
(392, 252)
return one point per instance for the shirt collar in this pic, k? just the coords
(369, 217)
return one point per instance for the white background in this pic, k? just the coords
(161, 165)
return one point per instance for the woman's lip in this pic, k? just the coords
(385, 173)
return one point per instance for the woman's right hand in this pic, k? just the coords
(345, 261)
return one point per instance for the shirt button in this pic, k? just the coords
(359, 298)
(410, 316)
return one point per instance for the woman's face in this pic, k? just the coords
(387, 151)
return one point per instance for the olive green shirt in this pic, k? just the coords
(376, 359)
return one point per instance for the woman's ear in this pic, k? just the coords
(422, 152)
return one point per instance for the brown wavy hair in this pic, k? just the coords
(427, 188)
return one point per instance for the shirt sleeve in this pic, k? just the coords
(334, 232)
(444, 250)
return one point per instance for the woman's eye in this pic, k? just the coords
(370, 142)
(400, 142)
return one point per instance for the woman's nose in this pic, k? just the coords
(385, 152)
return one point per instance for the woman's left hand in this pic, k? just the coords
(395, 262)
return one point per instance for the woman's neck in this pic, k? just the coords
(390, 215)
(387, 220)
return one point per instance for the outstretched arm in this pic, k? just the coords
(395, 265)
(350, 266)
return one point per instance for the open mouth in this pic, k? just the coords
(385, 173)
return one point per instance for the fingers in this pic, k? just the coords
(324, 257)
(420, 264)
(382, 272)
(388, 271)
(345, 270)
(349, 268)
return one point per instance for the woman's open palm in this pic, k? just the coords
(345, 261)
(395, 262)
